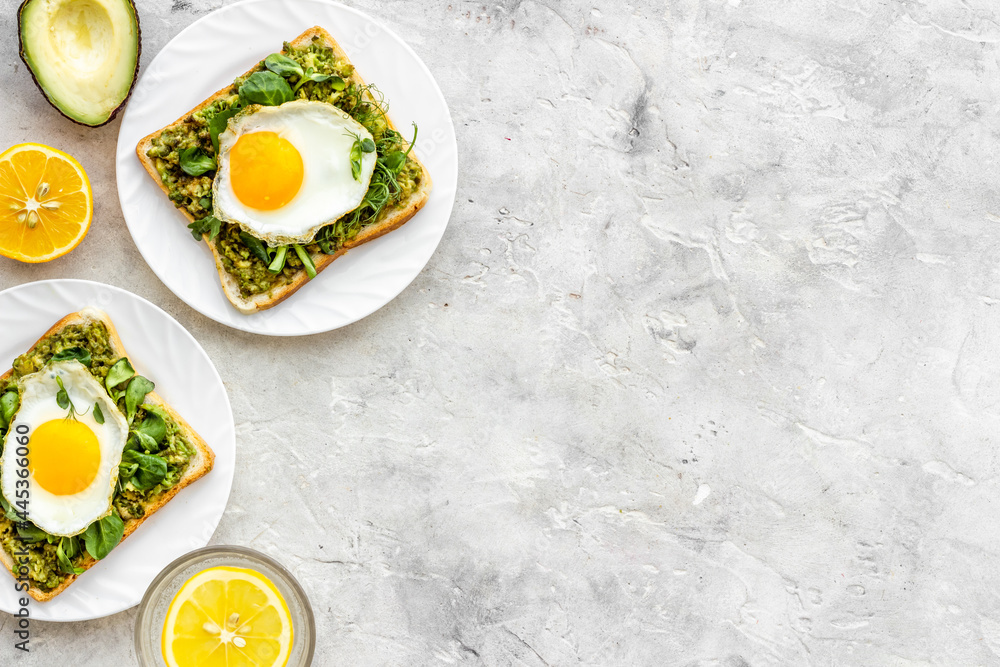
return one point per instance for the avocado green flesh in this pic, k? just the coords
(83, 54)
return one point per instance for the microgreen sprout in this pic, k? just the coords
(64, 402)
(307, 262)
(279, 260)
(358, 149)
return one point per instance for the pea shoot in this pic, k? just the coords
(358, 149)
(64, 402)
(278, 263)
(307, 262)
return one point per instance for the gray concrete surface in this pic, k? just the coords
(703, 373)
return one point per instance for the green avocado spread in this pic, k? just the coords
(194, 193)
(129, 503)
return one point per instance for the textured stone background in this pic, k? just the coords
(703, 372)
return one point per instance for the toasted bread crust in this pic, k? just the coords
(271, 298)
(201, 464)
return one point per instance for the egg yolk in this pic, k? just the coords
(265, 170)
(63, 456)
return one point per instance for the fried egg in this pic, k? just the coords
(72, 463)
(284, 172)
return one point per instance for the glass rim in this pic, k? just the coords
(225, 550)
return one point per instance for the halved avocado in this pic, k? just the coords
(83, 54)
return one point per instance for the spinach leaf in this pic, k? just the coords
(265, 88)
(80, 354)
(121, 371)
(310, 75)
(394, 161)
(10, 512)
(282, 64)
(218, 125)
(71, 545)
(156, 410)
(153, 427)
(98, 413)
(256, 247)
(68, 547)
(208, 225)
(9, 403)
(150, 470)
(194, 162)
(103, 536)
(125, 471)
(142, 441)
(150, 434)
(31, 533)
(136, 391)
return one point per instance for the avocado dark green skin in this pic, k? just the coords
(135, 74)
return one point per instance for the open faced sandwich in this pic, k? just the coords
(89, 453)
(287, 169)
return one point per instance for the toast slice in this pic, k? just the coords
(387, 222)
(200, 464)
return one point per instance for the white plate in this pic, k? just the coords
(207, 56)
(162, 350)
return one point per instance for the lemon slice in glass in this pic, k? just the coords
(227, 617)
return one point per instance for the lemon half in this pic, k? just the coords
(46, 204)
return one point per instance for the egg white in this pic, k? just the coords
(69, 514)
(323, 135)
